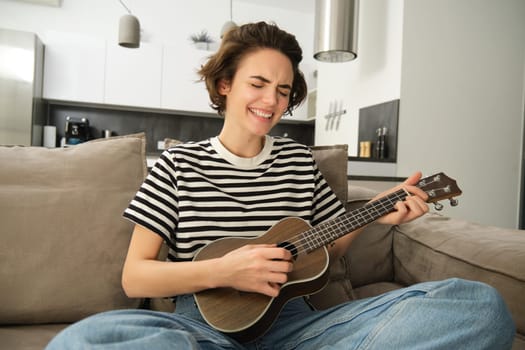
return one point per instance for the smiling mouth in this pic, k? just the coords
(261, 113)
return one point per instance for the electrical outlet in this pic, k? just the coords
(160, 145)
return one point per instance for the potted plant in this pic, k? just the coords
(202, 40)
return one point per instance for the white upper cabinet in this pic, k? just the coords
(90, 67)
(181, 88)
(74, 67)
(133, 76)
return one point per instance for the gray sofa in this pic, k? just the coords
(63, 241)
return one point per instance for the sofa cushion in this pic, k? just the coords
(375, 289)
(332, 161)
(370, 256)
(436, 247)
(64, 239)
(29, 337)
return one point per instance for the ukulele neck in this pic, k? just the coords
(329, 231)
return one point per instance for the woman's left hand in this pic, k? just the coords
(411, 208)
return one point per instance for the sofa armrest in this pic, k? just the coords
(359, 196)
(436, 247)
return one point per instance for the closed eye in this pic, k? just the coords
(282, 89)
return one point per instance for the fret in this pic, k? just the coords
(317, 239)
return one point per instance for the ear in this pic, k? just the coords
(223, 87)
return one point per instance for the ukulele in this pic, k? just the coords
(246, 316)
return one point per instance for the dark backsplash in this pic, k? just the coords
(159, 126)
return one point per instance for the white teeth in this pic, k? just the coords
(260, 113)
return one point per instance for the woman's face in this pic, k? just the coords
(258, 95)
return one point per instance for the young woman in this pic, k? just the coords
(239, 184)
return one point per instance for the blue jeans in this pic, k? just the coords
(450, 314)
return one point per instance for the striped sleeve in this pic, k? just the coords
(155, 205)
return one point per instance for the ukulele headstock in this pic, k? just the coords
(438, 187)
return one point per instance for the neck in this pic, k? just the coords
(242, 146)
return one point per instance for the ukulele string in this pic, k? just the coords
(303, 239)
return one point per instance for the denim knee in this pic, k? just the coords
(502, 316)
(497, 318)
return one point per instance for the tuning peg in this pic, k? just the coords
(438, 206)
(453, 202)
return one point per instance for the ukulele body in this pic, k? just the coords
(246, 315)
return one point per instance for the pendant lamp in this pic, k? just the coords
(129, 30)
(229, 24)
(336, 29)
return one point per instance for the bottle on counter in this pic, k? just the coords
(380, 151)
(383, 152)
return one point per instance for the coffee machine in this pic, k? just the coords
(76, 130)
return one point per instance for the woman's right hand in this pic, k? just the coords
(260, 268)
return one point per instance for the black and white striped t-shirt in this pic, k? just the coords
(199, 192)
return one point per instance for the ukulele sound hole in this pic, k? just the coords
(290, 247)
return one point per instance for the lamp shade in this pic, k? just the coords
(129, 32)
(336, 29)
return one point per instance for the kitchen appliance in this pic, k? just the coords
(76, 130)
(22, 112)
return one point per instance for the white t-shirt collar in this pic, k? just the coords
(241, 162)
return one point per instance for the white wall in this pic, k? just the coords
(461, 108)
(458, 68)
(374, 77)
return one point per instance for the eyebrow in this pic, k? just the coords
(263, 79)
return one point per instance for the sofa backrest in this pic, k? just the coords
(63, 237)
(332, 161)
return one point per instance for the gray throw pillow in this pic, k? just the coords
(63, 237)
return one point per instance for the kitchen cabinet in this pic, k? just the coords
(133, 76)
(94, 70)
(181, 88)
(74, 67)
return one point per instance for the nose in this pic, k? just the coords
(270, 97)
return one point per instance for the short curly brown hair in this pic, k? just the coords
(245, 39)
